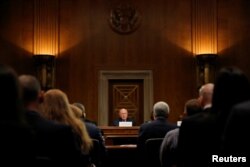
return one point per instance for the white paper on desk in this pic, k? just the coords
(128, 145)
(179, 123)
(125, 124)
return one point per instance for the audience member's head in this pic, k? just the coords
(56, 107)
(31, 89)
(10, 95)
(77, 111)
(206, 94)
(161, 109)
(192, 107)
(231, 87)
(82, 109)
(123, 113)
(16, 141)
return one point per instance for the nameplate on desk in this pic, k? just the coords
(125, 124)
(179, 123)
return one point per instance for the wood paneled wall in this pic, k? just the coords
(162, 43)
(16, 34)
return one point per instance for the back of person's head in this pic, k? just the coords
(206, 94)
(161, 109)
(56, 107)
(82, 109)
(231, 87)
(192, 107)
(30, 87)
(77, 111)
(10, 95)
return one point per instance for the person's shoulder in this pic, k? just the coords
(146, 125)
(52, 126)
(116, 122)
(130, 119)
(91, 126)
(90, 121)
(244, 105)
(58, 128)
(172, 132)
(199, 117)
(241, 110)
(199, 121)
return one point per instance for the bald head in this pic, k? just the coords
(206, 94)
(123, 113)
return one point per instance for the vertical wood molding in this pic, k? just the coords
(105, 76)
(204, 26)
(46, 26)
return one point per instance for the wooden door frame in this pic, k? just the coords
(106, 75)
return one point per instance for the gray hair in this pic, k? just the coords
(161, 109)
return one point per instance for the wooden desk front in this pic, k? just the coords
(122, 155)
(122, 147)
(124, 135)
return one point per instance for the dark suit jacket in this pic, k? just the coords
(116, 121)
(154, 129)
(95, 133)
(55, 141)
(236, 138)
(198, 134)
(16, 144)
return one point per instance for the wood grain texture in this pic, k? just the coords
(162, 43)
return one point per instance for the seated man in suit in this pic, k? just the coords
(123, 117)
(154, 129)
(168, 149)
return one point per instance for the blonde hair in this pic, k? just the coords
(56, 107)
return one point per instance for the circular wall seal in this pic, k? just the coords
(124, 19)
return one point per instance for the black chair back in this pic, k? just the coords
(95, 153)
(153, 151)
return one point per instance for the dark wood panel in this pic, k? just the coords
(162, 44)
(152, 47)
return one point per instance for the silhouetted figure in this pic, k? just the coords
(155, 129)
(16, 141)
(236, 138)
(202, 133)
(54, 143)
(168, 150)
